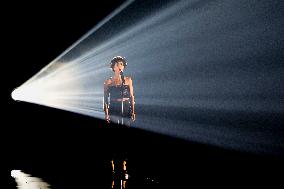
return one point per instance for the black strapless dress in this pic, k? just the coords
(119, 110)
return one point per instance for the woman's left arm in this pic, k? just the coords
(132, 98)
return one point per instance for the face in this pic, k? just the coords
(118, 67)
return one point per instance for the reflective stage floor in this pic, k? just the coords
(67, 150)
(72, 157)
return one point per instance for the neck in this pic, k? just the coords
(117, 75)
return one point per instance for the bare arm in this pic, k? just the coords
(106, 84)
(132, 98)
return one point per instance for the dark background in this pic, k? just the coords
(71, 150)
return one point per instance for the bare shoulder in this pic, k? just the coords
(128, 79)
(108, 81)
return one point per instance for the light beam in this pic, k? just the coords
(205, 71)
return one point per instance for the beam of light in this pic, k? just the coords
(205, 71)
(25, 181)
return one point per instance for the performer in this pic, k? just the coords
(119, 95)
(119, 109)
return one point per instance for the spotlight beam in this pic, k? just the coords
(203, 71)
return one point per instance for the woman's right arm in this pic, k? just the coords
(106, 84)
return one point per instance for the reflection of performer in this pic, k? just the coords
(118, 94)
(119, 173)
(119, 108)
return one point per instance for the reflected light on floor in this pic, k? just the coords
(25, 181)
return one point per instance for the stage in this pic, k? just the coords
(67, 150)
(70, 150)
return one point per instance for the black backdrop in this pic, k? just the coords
(71, 150)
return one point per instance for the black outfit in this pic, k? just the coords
(119, 112)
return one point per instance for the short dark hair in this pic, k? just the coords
(117, 59)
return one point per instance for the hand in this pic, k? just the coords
(133, 116)
(107, 118)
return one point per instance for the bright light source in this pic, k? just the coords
(15, 173)
(14, 94)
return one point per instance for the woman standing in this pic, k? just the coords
(118, 94)
(119, 109)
